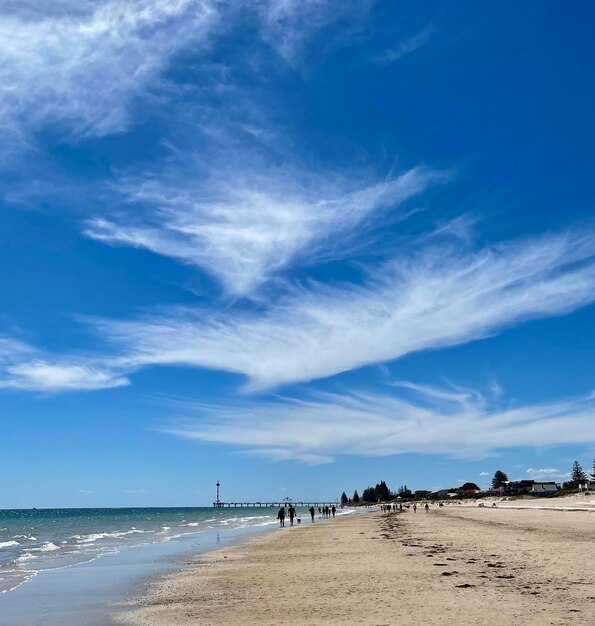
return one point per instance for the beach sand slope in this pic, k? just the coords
(456, 566)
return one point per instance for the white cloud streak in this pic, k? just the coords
(243, 228)
(407, 46)
(320, 429)
(84, 62)
(13, 349)
(40, 375)
(548, 473)
(440, 298)
(288, 25)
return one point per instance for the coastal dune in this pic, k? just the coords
(451, 565)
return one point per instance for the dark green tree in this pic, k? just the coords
(578, 474)
(404, 491)
(369, 494)
(593, 471)
(499, 479)
(468, 486)
(355, 497)
(382, 491)
(344, 499)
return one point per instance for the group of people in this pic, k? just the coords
(325, 512)
(387, 508)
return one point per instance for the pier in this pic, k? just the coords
(277, 504)
(218, 504)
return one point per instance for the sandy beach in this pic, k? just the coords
(452, 565)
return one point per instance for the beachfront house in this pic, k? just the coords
(439, 494)
(529, 487)
(544, 489)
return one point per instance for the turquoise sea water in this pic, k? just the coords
(73, 567)
(34, 542)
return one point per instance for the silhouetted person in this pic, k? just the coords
(281, 517)
(333, 510)
(414, 507)
(312, 512)
(427, 508)
(291, 512)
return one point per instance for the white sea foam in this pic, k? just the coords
(27, 537)
(9, 544)
(48, 546)
(93, 537)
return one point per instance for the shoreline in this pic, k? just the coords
(86, 592)
(470, 565)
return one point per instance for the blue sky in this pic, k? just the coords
(297, 247)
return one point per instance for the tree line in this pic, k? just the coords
(381, 491)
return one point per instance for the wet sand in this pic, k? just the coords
(452, 565)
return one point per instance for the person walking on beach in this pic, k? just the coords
(427, 508)
(281, 517)
(291, 512)
(312, 512)
(414, 507)
(333, 510)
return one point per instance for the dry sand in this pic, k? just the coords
(453, 565)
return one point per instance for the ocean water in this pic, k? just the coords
(35, 542)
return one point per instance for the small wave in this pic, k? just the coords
(48, 546)
(92, 538)
(192, 524)
(26, 556)
(26, 537)
(9, 544)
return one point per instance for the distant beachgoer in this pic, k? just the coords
(427, 508)
(333, 510)
(291, 512)
(415, 508)
(400, 507)
(281, 517)
(312, 512)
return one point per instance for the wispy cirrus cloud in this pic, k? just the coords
(437, 298)
(84, 62)
(24, 367)
(244, 226)
(288, 25)
(13, 349)
(406, 46)
(440, 297)
(41, 375)
(324, 426)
